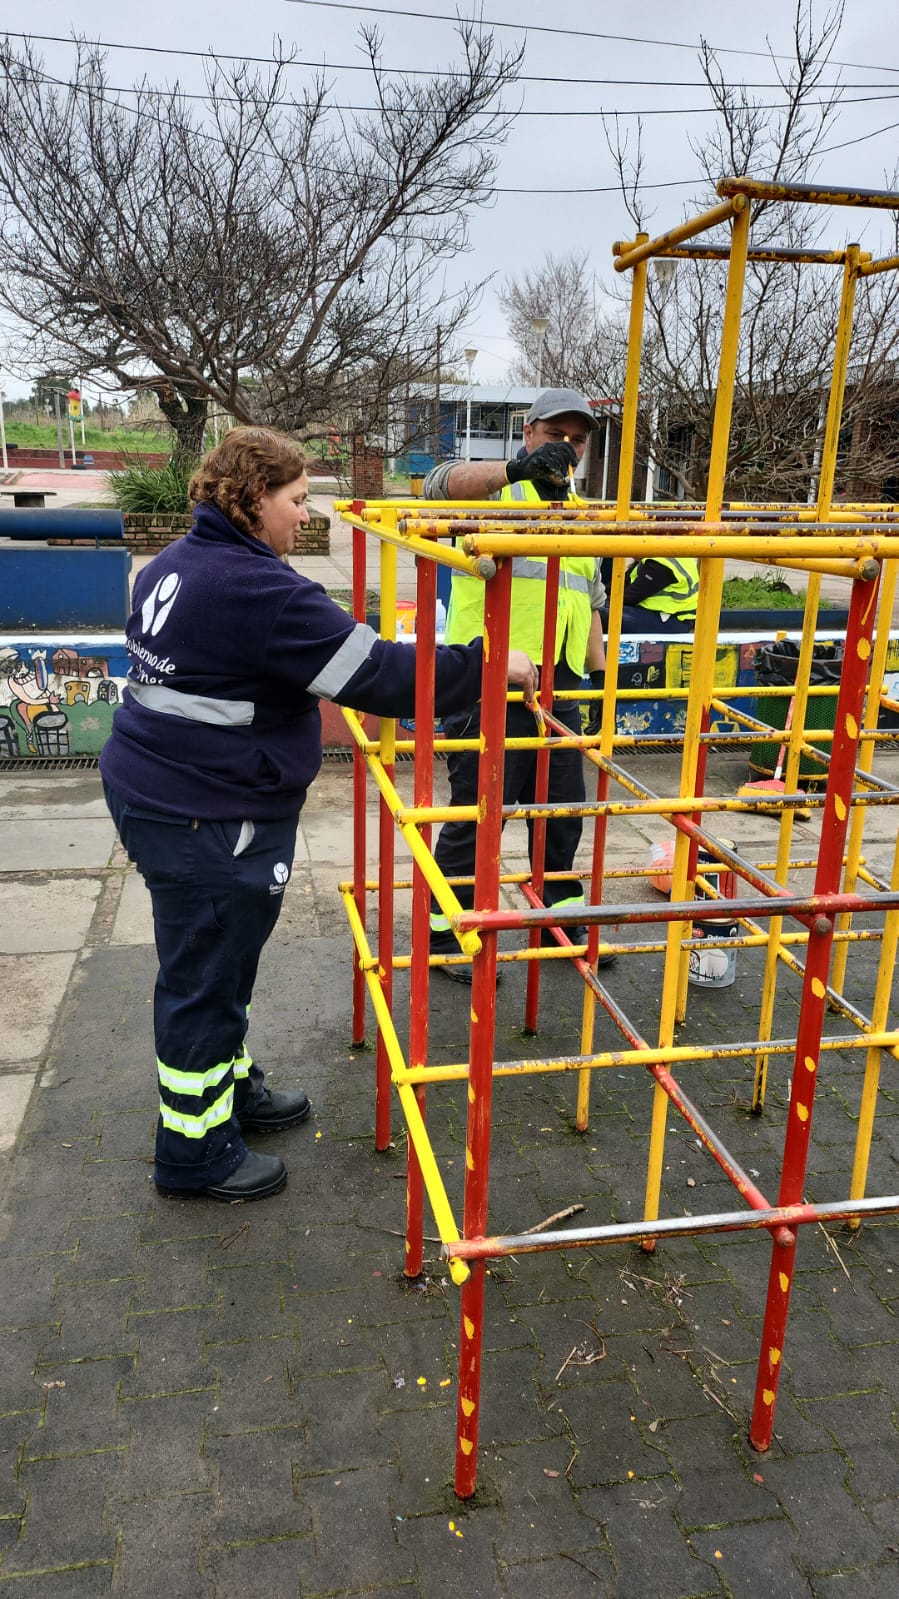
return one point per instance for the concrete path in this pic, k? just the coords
(206, 1402)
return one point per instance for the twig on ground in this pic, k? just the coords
(560, 1215)
(225, 1243)
(832, 1244)
(568, 1357)
(581, 1564)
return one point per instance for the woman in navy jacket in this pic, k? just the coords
(206, 771)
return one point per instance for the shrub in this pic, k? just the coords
(761, 592)
(152, 490)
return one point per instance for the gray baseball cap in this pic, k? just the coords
(561, 402)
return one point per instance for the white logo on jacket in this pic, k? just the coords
(154, 612)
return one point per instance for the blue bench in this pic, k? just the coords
(81, 588)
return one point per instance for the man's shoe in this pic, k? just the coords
(578, 935)
(462, 974)
(257, 1177)
(275, 1109)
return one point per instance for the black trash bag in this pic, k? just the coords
(777, 663)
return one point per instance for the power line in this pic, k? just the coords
(210, 138)
(602, 111)
(574, 33)
(417, 72)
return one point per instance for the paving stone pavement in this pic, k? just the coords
(205, 1401)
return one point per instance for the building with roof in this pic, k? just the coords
(431, 423)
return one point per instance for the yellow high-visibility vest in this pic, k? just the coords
(465, 619)
(679, 598)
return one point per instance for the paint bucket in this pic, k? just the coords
(715, 968)
(405, 616)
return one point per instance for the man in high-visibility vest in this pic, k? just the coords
(555, 438)
(660, 595)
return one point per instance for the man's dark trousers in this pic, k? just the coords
(454, 851)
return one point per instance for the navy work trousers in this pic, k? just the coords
(217, 890)
(454, 851)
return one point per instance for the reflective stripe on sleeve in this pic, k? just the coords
(345, 662)
(192, 707)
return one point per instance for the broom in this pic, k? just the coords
(774, 784)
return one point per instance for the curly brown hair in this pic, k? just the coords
(248, 463)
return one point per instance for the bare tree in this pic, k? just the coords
(790, 311)
(583, 347)
(260, 250)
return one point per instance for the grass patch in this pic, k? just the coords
(762, 592)
(34, 436)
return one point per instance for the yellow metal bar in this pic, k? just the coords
(887, 263)
(711, 581)
(641, 251)
(436, 1192)
(628, 441)
(725, 545)
(879, 1014)
(866, 754)
(810, 193)
(469, 943)
(678, 1055)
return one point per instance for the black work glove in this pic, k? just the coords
(547, 468)
(594, 707)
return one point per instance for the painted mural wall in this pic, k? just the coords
(58, 696)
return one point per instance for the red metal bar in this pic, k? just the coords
(837, 805)
(541, 781)
(787, 1217)
(497, 600)
(804, 907)
(359, 775)
(419, 975)
(681, 1102)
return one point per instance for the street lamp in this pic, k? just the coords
(469, 356)
(539, 325)
(3, 432)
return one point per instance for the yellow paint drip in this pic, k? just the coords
(811, 1065)
(469, 1327)
(839, 805)
(467, 1406)
(474, 1016)
(466, 1445)
(768, 1396)
(774, 1357)
(802, 1112)
(818, 988)
(471, 1095)
(469, 1159)
(460, 1272)
(852, 727)
(784, 1282)
(863, 649)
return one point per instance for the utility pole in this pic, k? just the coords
(437, 402)
(59, 443)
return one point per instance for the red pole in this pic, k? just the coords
(541, 782)
(359, 847)
(837, 805)
(483, 1015)
(419, 977)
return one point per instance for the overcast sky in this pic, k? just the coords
(544, 152)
